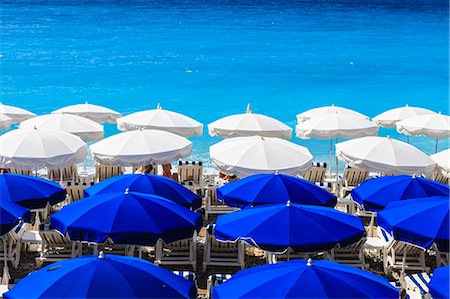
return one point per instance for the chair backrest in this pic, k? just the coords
(75, 190)
(21, 171)
(316, 173)
(154, 169)
(103, 172)
(354, 247)
(355, 176)
(411, 250)
(69, 173)
(221, 249)
(54, 238)
(439, 177)
(211, 197)
(190, 171)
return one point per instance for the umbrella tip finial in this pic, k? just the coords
(101, 255)
(249, 108)
(309, 263)
(127, 190)
(288, 204)
(159, 106)
(35, 127)
(277, 172)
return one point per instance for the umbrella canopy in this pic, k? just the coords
(244, 156)
(336, 125)
(431, 125)
(282, 226)
(30, 192)
(10, 214)
(375, 194)
(389, 118)
(305, 279)
(95, 113)
(262, 189)
(16, 114)
(438, 285)
(420, 221)
(384, 154)
(442, 159)
(160, 119)
(249, 124)
(105, 276)
(128, 218)
(39, 148)
(141, 147)
(5, 122)
(80, 126)
(148, 184)
(321, 111)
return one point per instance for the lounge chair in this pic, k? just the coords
(375, 245)
(273, 258)
(21, 171)
(11, 246)
(351, 179)
(406, 257)
(416, 285)
(66, 174)
(442, 257)
(225, 254)
(56, 247)
(214, 280)
(351, 255)
(103, 172)
(439, 177)
(179, 253)
(75, 190)
(213, 206)
(316, 174)
(191, 171)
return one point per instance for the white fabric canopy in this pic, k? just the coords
(244, 156)
(389, 118)
(442, 159)
(249, 124)
(95, 113)
(384, 154)
(32, 149)
(335, 125)
(84, 128)
(141, 147)
(5, 122)
(320, 111)
(431, 125)
(15, 113)
(159, 119)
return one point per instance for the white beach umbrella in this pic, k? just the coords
(249, 124)
(15, 113)
(442, 159)
(159, 119)
(433, 125)
(5, 122)
(141, 147)
(32, 149)
(384, 154)
(389, 118)
(84, 128)
(320, 111)
(95, 113)
(244, 156)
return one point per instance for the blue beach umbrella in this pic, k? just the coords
(128, 218)
(375, 194)
(420, 221)
(439, 283)
(105, 276)
(261, 189)
(305, 279)
(300, 227)
(30, 192)
(149, 184)
(10, 214)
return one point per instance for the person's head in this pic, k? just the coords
(147, 168)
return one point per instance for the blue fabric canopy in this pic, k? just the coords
(128, 218)
(302, 279)
(10, 214)
(30, 192)
(439, 283)
(300, 227)
(420, 221)
(375, 194)
(149, 184)
(109, 276)
(260, 189)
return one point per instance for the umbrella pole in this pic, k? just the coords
(5, 277)
(331, 157)
(436, 147)
(337, 167)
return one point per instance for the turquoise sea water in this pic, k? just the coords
(208, 59)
